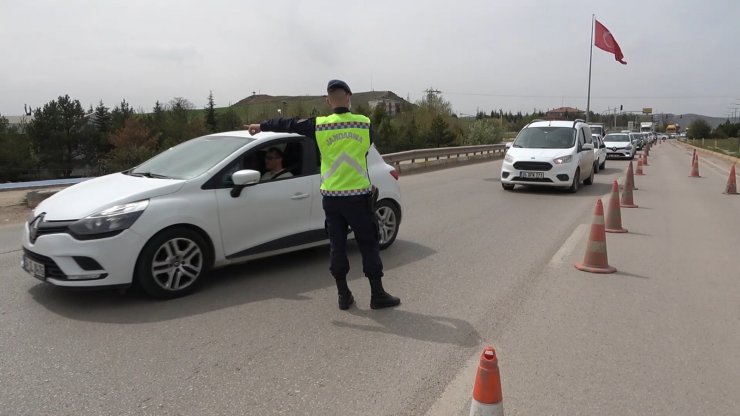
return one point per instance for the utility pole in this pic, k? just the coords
(431, 91)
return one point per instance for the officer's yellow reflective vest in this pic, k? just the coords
(344, 140)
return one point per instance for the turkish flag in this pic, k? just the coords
(605, 41)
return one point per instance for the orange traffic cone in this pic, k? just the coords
(627, 200)
(644, 159)
(695, 168)
(613, 212)
(595, 260)
(630, 180)
(639, 167)
(487, 397)
(693, 157)
(731, 188)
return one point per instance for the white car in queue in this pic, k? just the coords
(620, 145)
(554, 153)
(599, 152)
(193, 207)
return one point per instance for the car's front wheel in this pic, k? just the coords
(576, 182)
(172, 263)
(602, 166)
(590, 179)
(388, 216)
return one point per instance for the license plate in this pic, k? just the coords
(34, 268)
(532, 175)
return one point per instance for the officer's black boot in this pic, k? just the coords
(345, 297)
(379, 298)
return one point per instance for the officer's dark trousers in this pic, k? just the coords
(354, 212)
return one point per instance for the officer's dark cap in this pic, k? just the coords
(335, 83)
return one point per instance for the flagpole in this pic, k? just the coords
(590, 59)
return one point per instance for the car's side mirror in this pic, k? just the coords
(602, 146)
(242, 179)
(588, 146)
(508, 145)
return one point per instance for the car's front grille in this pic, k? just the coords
(50, 227)
(52, 270)
(39, 227)
(540, 166)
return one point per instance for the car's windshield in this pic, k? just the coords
(617, 138)
(546, 138)
(191, 158)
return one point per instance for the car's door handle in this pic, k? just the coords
(299, 196)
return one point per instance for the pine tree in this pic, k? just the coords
(439, 134)
(210, 121)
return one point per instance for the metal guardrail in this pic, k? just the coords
(441, 153)
(13, 186)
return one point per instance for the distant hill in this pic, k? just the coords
(684, 120)
(264, 106)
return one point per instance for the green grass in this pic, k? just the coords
(726, 146)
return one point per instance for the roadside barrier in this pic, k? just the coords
(487, 396)
(614, 212)
(596, 259)
(731, 188)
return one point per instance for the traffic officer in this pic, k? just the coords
(344, 140)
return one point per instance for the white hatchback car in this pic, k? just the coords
(193, 207)
(550, 153)
(620, 145)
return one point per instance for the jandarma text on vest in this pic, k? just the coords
(343, 136)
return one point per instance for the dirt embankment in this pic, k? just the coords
(14, 208)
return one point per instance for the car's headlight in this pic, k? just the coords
(508, 159)
(111, 220)
(628, 147)
(563, 159)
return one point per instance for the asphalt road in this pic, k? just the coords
(474, 265)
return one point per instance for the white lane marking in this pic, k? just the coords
(461, 386)
(567, 248)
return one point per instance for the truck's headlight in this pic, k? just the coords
(111, 220)
(508, 159)
(563, 159)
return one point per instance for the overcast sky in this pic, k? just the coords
(683, 56)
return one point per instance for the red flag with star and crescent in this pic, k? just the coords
(605, 41)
